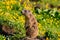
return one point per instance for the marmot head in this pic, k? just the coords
(26, 12)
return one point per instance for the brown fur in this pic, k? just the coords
(30, 24)
(7, 29)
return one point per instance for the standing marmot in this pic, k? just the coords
(30, 24)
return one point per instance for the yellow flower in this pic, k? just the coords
(11, 16)
(8, 7)
(27, 0)
(34, 2)
(27, 5)
(39, 25)
(40, 30)
(0, 6)
(13, 2)
(16, 14)
(47, 6)
(20, 0)
(21, 19)
(56, 0)
(2, 13)
(14, 17)
(58, 33)
(3, 2)
(0, 10)
(7, 3)
(47, 38)
(58, 38)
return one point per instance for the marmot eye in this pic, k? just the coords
(28, 10)
(25, 10)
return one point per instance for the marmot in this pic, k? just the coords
(31, 24)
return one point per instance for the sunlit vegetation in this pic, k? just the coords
(47, 13)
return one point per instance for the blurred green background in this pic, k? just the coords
(47, 13)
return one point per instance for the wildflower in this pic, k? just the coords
(20, 0)
(47, 6)
(27, 0)
(43, 33)
(0, 10)
(27, 5)
(8, 7)
(47, 38)
(58, 38)
(3, 2)
(14, 17)
(39, 25)
(58, 33)
(34, 3)
(7, 3)
(21, 19)
(2, 13)
(56, 0)
(13, 2)
(17, 14)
